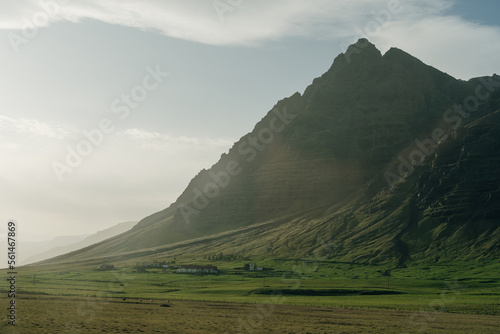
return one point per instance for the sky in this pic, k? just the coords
(108, 108)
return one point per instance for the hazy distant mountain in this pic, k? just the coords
(63, 245)
(353, 160)
(33, 248)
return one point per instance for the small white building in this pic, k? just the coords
(253, 267)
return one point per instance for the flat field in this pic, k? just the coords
(48, 314)
(292, 297)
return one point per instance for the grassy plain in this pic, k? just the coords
(293, 297)
(48, 314)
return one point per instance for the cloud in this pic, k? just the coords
(133, 174)
(34, 127)
(421, 27)
(462, 49)
(218, 22)
(166, 141)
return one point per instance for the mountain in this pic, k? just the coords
(33, 248)
(389, 159)
(55, 247)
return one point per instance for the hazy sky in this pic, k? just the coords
(164, 87)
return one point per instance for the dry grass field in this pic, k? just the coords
(72, 315)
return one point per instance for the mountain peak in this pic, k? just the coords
(359, 50)
(398, 54)
(363, 43)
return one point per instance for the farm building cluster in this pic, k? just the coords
(194, 269)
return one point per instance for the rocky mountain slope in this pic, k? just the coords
(388, 157)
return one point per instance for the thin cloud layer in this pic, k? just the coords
(133, 173)
(34, 127)
(462, 49)
(169, 142)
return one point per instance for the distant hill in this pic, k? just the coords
(33, 248)
(388, 158)
(72, 243)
